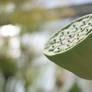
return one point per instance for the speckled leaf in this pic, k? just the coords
(71, 47)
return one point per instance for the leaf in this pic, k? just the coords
(71, 47)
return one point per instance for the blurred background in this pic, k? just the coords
(25, 26)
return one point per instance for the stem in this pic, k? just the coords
(26, 88)
(5, 84)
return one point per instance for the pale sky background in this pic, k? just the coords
(55, 3)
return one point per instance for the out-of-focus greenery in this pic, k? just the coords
(75, 88)
(14, 1)
(30, 19)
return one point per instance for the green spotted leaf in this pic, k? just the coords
(71, 47)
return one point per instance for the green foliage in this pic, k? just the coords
(7, 65)
(29, 20)
(75, 88)
(12, 1)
